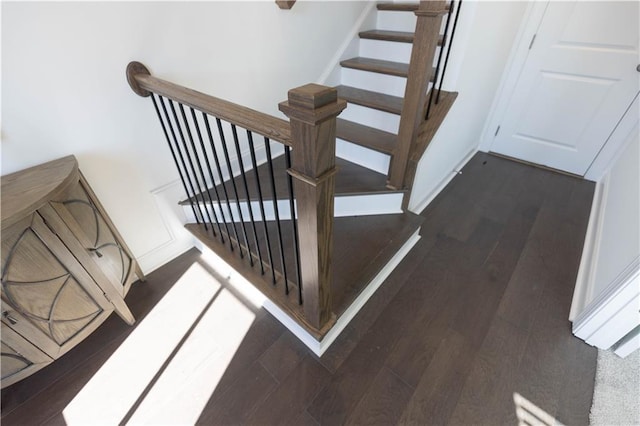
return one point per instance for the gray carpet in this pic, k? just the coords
(616, 397)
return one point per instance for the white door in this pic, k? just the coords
(579, 78)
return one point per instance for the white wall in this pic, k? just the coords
(619, 242)
(65, 92)
(482, 46)
(606, 299)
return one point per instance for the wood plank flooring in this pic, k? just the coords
(475, 313)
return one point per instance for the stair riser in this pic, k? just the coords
(396, 21)
(372, 118)
(363, 156)
(381, 83)
(352, 205)
(385, 50)
(389, 51)
(399, 21)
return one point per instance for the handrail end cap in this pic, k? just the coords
(136, 68)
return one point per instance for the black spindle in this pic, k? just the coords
(267, 145)
(204, 179)
(188, 154)
(173, 154)
(254, 163)
(234, 132)
(444, 42)
(446, 59)
(225, 151)
(294, 223)
(222, 183)
(213, 180)
(192, 199)
(246, 191)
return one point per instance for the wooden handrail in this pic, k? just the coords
(143, 83)
(428, 23)
(312, 110)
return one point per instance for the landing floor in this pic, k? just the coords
(475, 314)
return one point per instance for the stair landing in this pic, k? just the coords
(362, 247)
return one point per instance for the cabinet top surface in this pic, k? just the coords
(25, 191)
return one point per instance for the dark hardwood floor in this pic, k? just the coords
(475, 313)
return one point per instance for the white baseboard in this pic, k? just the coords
(164, 254)
(584, 281)
(421, 205)
(614, 313)
(629, 344)
(252, 294)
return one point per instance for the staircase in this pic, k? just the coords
(315, 232)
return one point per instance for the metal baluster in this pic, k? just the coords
(294, 223)
(224, 187)
(225, 151)
(446, 59)
(254, 163)
(204, 180)
(267, 145)
(184, 165)
(173, 154)
(444, 42)
(213, 180)
(246, 191)
(235, 189)
(186, 150)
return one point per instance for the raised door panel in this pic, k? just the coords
(45, 286)
(18, 358)
(85, 219)
(579, 78)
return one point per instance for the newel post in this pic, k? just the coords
(312, 110)
(428, 21)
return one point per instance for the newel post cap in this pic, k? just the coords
(312, 103)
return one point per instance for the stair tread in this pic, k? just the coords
(402, 7)
(362, 246)
(381, 66)
(368, 98)
(366, 136)
(397, 36)
(351, 179)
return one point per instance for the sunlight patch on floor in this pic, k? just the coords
(189, 381)
(192, 374)
(251, 294)
(530, 414)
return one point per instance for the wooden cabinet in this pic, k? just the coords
(65, 267)
(19, 358)
(83, 214)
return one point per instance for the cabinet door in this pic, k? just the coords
(19, 358)
(86, 219)
(45, 286)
